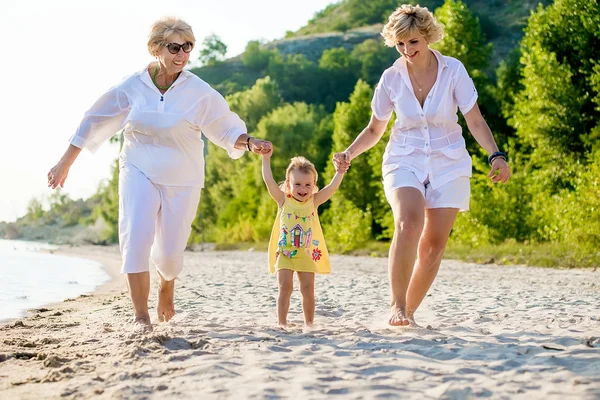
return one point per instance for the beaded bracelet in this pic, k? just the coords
(496, 155)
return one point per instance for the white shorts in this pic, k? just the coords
(454, 194)
(154, 221)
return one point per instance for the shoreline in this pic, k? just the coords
(107, 256)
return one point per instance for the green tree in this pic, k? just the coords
(212, 50)
(252, 104)
(340, 76)
(299, 78)
(371, 58)
(108, 208)
(255, 57)
(370, 12)
(463, 38)
(356, 194)
(555, 113)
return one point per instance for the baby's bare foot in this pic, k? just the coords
(166, 307)
(397, 316)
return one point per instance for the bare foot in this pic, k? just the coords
(142, 324)
(412, 323)
(165, 308)
(286, 325)
(397, 316)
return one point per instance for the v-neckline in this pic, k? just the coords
(412, 89)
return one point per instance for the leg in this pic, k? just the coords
(174, 225)
(438, 223)
(285, 281)
(139, 289)
(139, 203)
(307, 289)
(408, 207)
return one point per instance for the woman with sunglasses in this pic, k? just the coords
(164, 110)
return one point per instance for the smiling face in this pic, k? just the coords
(173, 63)
(414, 47)
(301, 184)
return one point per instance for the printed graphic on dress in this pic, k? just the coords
(297, 235)
(290, 254)
(283, 237)
(316, 256)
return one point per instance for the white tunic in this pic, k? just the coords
(163, 132)
(426, 140)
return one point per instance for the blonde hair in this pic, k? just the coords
(166, 27)
(407, 20)
(303, 165)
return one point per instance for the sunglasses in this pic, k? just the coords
(175, 47)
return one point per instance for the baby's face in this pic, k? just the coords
(302, 184)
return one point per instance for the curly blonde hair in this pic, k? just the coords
(166, 27)
(407, 20)
(303, 165)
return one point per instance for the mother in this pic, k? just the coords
(165, 110)
(426, 167)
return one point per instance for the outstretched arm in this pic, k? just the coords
(274, 190)
(324, 194)
(58, 174)
(363, 142)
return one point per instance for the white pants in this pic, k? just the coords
(154, 221)
(454, 194)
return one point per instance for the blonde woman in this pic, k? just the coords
(165, 111)
(426, 166)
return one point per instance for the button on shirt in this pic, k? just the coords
(426, 140)
(163, 132)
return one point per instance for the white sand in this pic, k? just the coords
(496, 332)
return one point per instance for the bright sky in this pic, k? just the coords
(59, 56)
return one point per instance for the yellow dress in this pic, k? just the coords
(297, 241)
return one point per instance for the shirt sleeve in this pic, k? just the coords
(103, 120)
(465, 93)
(219, 124)
(382, 105)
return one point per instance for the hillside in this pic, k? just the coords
(502, 21)
(351, 22)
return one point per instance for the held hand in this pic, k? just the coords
(341, 161)
(268, 154)
(57, 175)
(500, 170)
(260, 146)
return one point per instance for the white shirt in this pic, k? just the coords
(426, 140)
(163, 132)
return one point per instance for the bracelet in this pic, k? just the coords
(248, 142)
(496, 155)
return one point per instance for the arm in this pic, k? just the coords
(274, 190)
(99, 123)
(324, 194)
(483, 135)
(363, 142)
(256, 145)
(224, 128)
(58, 174)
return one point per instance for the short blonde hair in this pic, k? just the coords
(407, 20)
(166, 27)
(303, 165)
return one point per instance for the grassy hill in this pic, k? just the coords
(351, 22)
(502, 21)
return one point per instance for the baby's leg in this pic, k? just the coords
(307, 288)
(285, 281)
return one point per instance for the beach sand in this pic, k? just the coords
(489, 331)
